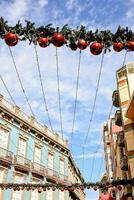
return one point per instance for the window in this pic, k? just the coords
(1, 175)
(17, 195)
(37, 155)
(61, 195)
(50, 161)
(4, 138)
(34, 193)
(49, 194)
(62, 166)
(1, 180)
(22, 147)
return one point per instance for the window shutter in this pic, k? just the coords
(37, 155)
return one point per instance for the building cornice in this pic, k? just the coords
(41, 133)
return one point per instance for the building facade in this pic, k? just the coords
(31, 153)
(120, 145)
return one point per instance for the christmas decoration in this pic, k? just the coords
(119, 187)
(58, 39)
(11, 39)
(43, 42)
(130, 45)
(73, 46)
(82, 44)
(68, 36)
(115, 183)
(96, 48)
(39, 189)
(118, 46)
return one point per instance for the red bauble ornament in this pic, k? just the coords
(82, 44)
(11, 39)
(119, 187)
(62, 189)
(96, 48)
(70, 189)
(118, 46)
(73, 46)
(95, 188)
(43, 42)
(39, 189)
(58, 39)
(130, 45)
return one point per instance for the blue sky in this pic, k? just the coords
(104, 14)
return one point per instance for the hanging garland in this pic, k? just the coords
(118, 184)
(80, 38)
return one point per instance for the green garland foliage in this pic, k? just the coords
(31, 33)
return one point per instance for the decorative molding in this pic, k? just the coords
(5, 127)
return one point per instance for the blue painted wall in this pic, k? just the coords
(13, 142)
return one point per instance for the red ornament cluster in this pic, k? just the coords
(58, 40)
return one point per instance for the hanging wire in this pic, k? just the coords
(42, 88)
(111, 108)
(58, 87)
(11, 97)
(99, 145)
(23, 90)
(76, 96)
(93, 110)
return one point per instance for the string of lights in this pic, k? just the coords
(23, 90)
(10, 95)
(111, 108)
(93, 109)
(76, 96)
(58, 89)
(42, 88)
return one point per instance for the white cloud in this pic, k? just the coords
(89, 155)
(42, 3)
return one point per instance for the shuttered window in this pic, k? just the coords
(61, 195)
(62, 167)
(4, 138)
(22, 147)
(49, 194)
(17, 195)
(34, 193)
(50, 161)
(37, 155)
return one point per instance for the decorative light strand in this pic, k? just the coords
(42, 88)
(58, 88)
(23, 90)
(76, 96)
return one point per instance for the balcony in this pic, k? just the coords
(38, 169)
(124, 163)
(6, 157)
(121, 139)
(118, 119)
(115, 99)
(22, 164)
(63, 179)
(52, 175)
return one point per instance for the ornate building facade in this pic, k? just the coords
(31, 153)
(118, 134)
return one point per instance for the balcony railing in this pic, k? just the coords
(51, 174)
(118, 119)
(38, 169)
(21, 163)
(124, 163)
(115, 98)
(6, 157)
(121, 139)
